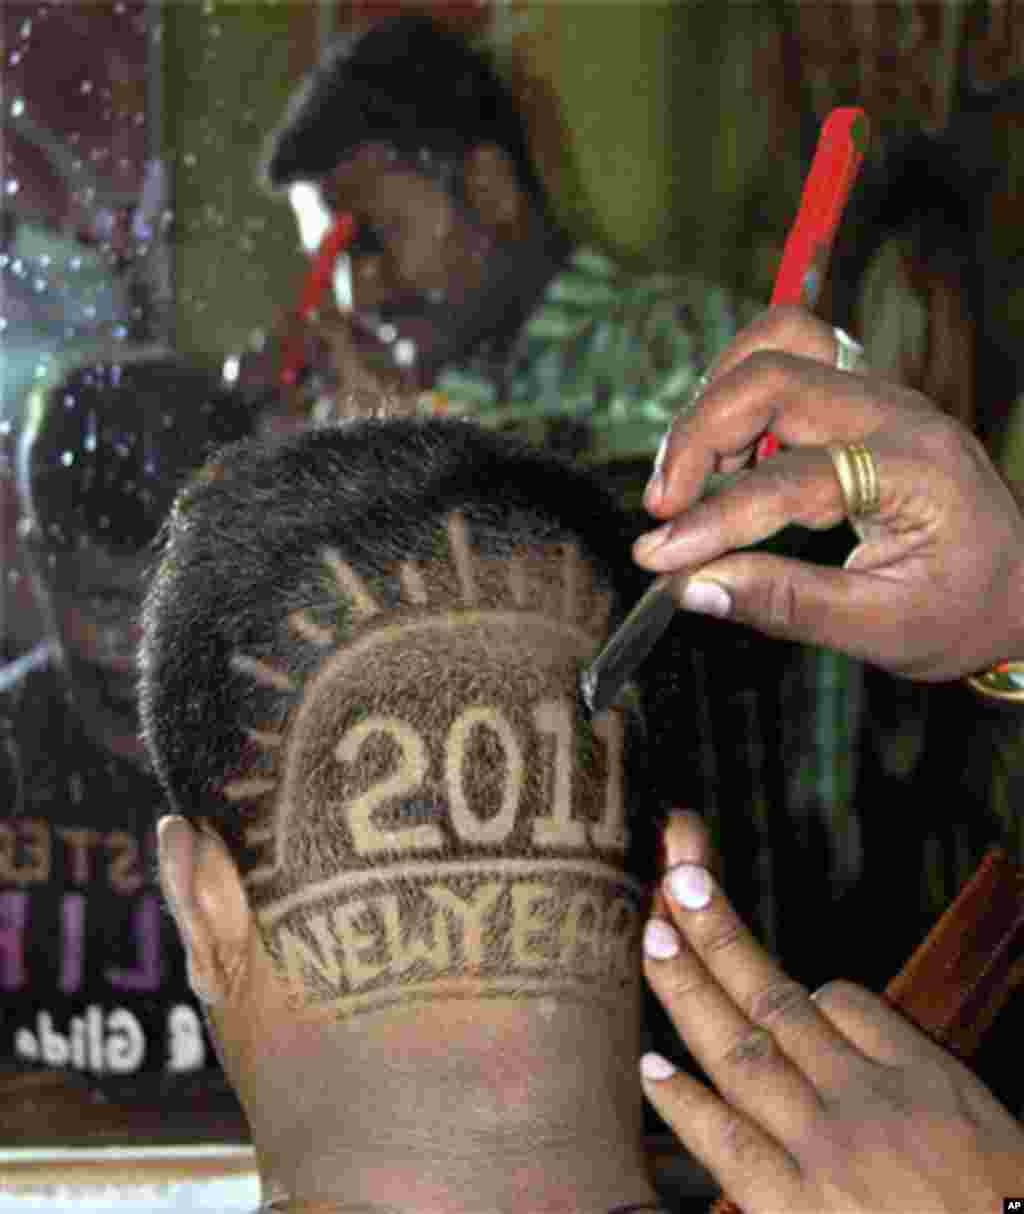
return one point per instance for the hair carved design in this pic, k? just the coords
(434, 817)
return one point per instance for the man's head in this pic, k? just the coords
(102, 454)
(411, 131)
(359, 688)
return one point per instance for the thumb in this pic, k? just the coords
(862, 614)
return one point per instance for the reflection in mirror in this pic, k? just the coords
(101, 419)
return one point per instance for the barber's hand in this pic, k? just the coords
(826, 1103)
(365, 384)
(934, 590)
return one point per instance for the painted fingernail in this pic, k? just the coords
(675, 850)
(654, 1066)
(690, 885)
(166, 823)
(656, 485)
(647, 543)
(661, 940)
(707, 598)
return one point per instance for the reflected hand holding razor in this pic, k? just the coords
(336, 240)
(837, 160)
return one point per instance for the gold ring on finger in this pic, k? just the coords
(857, 473)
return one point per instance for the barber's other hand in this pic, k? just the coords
(831, 1103)
(365, 385)
(935, 589)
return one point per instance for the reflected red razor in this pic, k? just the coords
(315, 284)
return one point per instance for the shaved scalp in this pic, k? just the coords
(359, 666)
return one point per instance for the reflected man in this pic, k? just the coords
(91, 976)
(461, 279)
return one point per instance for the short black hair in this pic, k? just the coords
(406, 82)
(109, 443)
(359, 669)
(239, 552)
